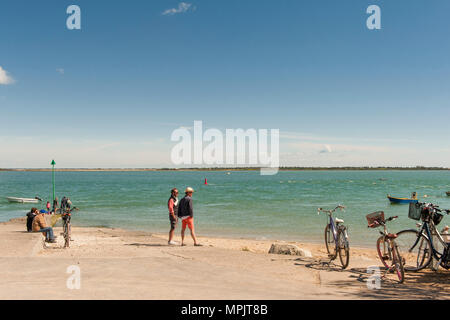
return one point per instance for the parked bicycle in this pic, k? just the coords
(66, 217)
(336, 237)
(387, 248)
(419, 247)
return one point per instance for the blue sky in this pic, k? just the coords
(110, 94)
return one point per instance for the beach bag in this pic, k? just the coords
(415, 211)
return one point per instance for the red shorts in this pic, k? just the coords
(189, 222)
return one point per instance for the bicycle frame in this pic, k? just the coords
(66, 228)
(429, 235)
(332, 222)
(384, 233)
(333, 228)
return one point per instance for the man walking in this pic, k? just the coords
(172, 204)
(186, 214)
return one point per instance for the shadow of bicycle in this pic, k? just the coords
(425, 284)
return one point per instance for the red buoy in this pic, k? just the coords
(206, 181)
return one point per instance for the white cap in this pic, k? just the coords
(188, 189)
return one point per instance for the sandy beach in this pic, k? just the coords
(120, 264)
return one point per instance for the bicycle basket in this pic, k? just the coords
(437, 218)
(415, 211)
(375, 217)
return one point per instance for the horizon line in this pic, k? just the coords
(281, 168)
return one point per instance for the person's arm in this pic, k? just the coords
(41, 221)
(191, 208)
(170, 205)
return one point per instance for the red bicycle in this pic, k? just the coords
(387, 248)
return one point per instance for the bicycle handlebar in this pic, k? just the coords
(341, 207)
(436, 207)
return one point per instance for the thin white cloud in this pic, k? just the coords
(5, 78)
(60, 70)
(182, 7)
(326, 149)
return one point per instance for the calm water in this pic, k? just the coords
(242, 204)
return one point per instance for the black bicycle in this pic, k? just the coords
(419, 247)
(67, 228)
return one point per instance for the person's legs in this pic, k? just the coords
(190, 224)
(183, 229)
(193, 236)
(48, 233)
(173, 224)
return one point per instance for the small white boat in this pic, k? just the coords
(23, 200)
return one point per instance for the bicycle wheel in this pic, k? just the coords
(414, 258)
(439, 251)
(384, 252)
(343, 247)
(66, 235)
(329, 242)
(398, 263)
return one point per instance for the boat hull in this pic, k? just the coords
(402, 200)
(22, 200)
(448, 193)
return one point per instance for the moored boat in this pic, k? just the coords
(23, 200)
(448, 193)
(413, 199)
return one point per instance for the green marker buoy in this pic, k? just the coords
(53, 179)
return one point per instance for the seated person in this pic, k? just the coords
(39, 225)
(445, 235)
(30, 217)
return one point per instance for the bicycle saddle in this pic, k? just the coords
(392, 235)
(339, 220)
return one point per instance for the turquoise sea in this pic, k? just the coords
(240, 204)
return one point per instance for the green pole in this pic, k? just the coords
(53, 179)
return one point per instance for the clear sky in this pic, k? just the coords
(110, 94)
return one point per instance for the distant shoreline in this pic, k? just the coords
(225, 169)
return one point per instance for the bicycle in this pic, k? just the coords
(419, 247)
(67, 228)
(336, 237)
(387, 248)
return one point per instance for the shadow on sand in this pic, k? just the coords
(417, 285)
(147, 244)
